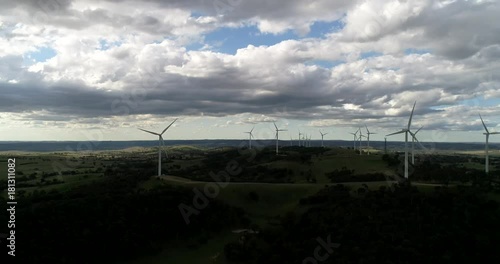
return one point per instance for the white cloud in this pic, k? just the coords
(148, 68)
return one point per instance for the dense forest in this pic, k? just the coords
(389, 225)
(111, 220)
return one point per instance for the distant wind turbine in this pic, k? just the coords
(368, 133)
(385, 145)
(322, 135)
(355, 138)
(277, 137)
(406, 131)
(300, 142)
(360, 139)
(160, 143)
(250, 135)
(413, 138)
(488, 133)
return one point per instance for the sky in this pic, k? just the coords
(99, 70)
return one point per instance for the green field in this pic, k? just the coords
(264, 203)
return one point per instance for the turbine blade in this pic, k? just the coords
(275, 125)
(151, 132)
(169, 126)
(411, 115)
(485, 128)
(494, 133)
(368, 131)
(418, 130)
(395, 133)
(252, 129)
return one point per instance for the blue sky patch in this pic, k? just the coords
(41, 55)
(229, 40)
(370, 54)
(105, 45)
(324, 63)
(481, 101)
(320, 28)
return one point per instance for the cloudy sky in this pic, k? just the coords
(98, 70)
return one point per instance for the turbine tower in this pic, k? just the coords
(360, 139)
(406, 131)
(250, 135)
(354, 139)
(300, 142)
(322, 135)
(413, 138)
(160, 143)
(488, 133)
(385, 145)
(277, 138)
(368, 133)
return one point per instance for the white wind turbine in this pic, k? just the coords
(277, 138)
(322, 135)
(355, 138)
(300, 142)
(413, 138)
(250, 136)
(360, 139)
(488, 133)
(368, 137)
(160, 143)
(406, 131)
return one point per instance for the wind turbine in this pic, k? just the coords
(160, 143)
(354, 139)
(406, 131)
(322, 135)
(291, 141)
(368, 138)
(360, 139)
(277, 138)
(385, 145)
(250, 135)
(488, 133)
(300, 142)
(413, 138)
